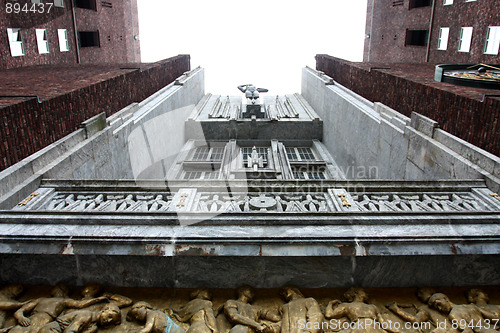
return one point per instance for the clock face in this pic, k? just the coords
(491, 75)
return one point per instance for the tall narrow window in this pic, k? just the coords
(447, 2)
(492, 40)
(465, 39)
(443, 38)
(42, 41)
(15, 42)
(63, 40)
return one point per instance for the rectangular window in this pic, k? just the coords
(420, 3)
(88, 38)
(201, 175)
(247, 151)
(295, 154)
(86, 4)
(42, 41)
(36, 1)
(15, 42)
(192, 175)
(469, 0)
(492, 40)
(465, 39)
(59, 3)
(416, 37)
(447, 2)
(310, 174)
(443, 38)
(63, 40)
(213, 154)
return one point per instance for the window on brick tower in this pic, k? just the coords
(87, 4)
(465, 39)
(63, 40)
(443, 38)
(15, 42)
(42, 41)
(416, 37)
(492, 40)
(88, 38)
(420, 3)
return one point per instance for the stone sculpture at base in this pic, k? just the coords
(155, 321)
(45, 309)
(361, 315)
(423, 313)
(198, 312)
(245, 316)
(84, 321)
(299, 311)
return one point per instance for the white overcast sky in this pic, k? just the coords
(266, 43)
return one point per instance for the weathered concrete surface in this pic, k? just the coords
(364, 136)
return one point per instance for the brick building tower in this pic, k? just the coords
(68, 32)
(440, 31)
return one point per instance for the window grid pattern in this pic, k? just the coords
(295, 154)
(190, 175)
(208, 154)
(247, 151)
(310, 175)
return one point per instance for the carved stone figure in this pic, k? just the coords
(198, 312)
(357, 310)
(154, 321)
(245, 316)
(299, 311)
(481, 299)
(84, 321)
(93, 290)
(7, 302)
(251, 92)
(45, 309)
(462, 314)
(254, 160)
(423, 313)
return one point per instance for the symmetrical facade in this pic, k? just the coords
(68, 32)
(435, 31)
(321, 189)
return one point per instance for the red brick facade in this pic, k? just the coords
(70, 94)
(389, 22)
(117, 27)
(410, 87)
